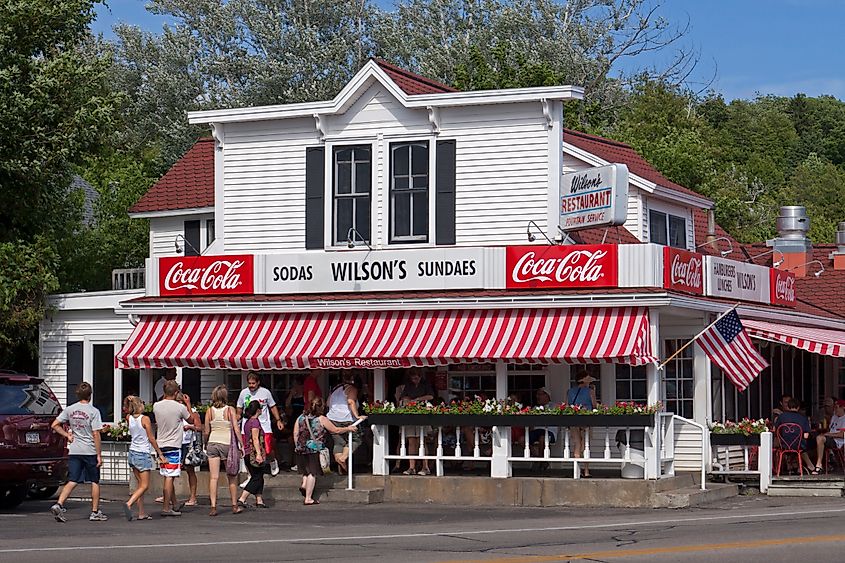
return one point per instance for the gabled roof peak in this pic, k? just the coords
(411, 83)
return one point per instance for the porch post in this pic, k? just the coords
(764, 461)
(652, 375)
(501, 380)
(557, 382)
(701, 406)
(607, 378)
(380, 447)
(378, 384)
(145, 385)
(652, 437)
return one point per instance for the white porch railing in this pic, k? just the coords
(128, 278)
(735, 460)
(656, 458)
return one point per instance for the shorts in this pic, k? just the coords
(268, 442)
(214, 449)
(83, 469)
(309, 464)
(172, 466)
(830, 443)
(142, 461)
(342, 440)
(536, 435)
(414, 431)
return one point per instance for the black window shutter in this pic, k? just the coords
(444, 203)
(315, 182)
(191, 384)
(192, 238)
(74, 370)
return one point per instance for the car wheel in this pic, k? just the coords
(10, 497)
(41, 493)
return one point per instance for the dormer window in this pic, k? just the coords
(352, 181)
(667, 229)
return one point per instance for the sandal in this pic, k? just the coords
(145, 517)
(816, 471)
(410, 471)
(213, 511)
(236, 509)
(260, 505)
(312, 503)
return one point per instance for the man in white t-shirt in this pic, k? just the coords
(835, 436)
(255, 392)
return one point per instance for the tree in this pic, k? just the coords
(55, 109)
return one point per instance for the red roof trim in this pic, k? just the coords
(410, 83)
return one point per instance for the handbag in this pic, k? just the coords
(196, 454)
(315, 446)
(253, 455)
(233, 460)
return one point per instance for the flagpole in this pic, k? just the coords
(694, 338)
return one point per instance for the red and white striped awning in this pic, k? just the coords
(816, 340)
(386, 339)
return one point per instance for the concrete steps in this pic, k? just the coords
(285, 488)
(694, 496)
(808, 486)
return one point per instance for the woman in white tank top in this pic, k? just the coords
(220, 422)
(343, 411)
(140, 450)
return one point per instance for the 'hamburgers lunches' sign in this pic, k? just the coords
(596, 197)
(736, 280)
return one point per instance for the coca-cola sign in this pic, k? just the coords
(683, 270)
(782, 287)
(588, 265)
(206, 275)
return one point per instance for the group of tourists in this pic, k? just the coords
(815, 440)
(230, 440)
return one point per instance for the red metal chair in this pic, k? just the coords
(788, 439)
(839, 453)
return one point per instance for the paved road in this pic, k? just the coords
(745, 529)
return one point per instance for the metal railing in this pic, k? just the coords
(128, 278)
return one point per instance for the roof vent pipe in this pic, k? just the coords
(840, 238)
(793, 223)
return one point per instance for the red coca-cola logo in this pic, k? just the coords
(683, 270)
(206, 275)
(594, 265)
(782, 287)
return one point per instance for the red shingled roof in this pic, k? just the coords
(410, 83)
(609, 235)
(614, 151)
(813, 293)
(700, 226)
(188, 184)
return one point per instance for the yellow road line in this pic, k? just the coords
(618, 553)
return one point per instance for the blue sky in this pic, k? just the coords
(777, 47)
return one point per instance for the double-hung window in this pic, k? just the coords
(352, 182)
(409, 192)
(666, 229)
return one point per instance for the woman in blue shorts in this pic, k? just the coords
(140, 453)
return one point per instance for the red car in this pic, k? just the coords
(33, 458)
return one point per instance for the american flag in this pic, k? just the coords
(729, 347)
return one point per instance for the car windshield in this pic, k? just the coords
(27, 398)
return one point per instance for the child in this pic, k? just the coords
(85, 455)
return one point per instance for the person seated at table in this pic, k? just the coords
(792, 416)
(781, 408)
(828, 408)
(834, 438)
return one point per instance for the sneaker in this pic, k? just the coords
(424, 472)
(98, 516)
(294, 468)
(244, 484)
(274, 468)
(58, 512)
